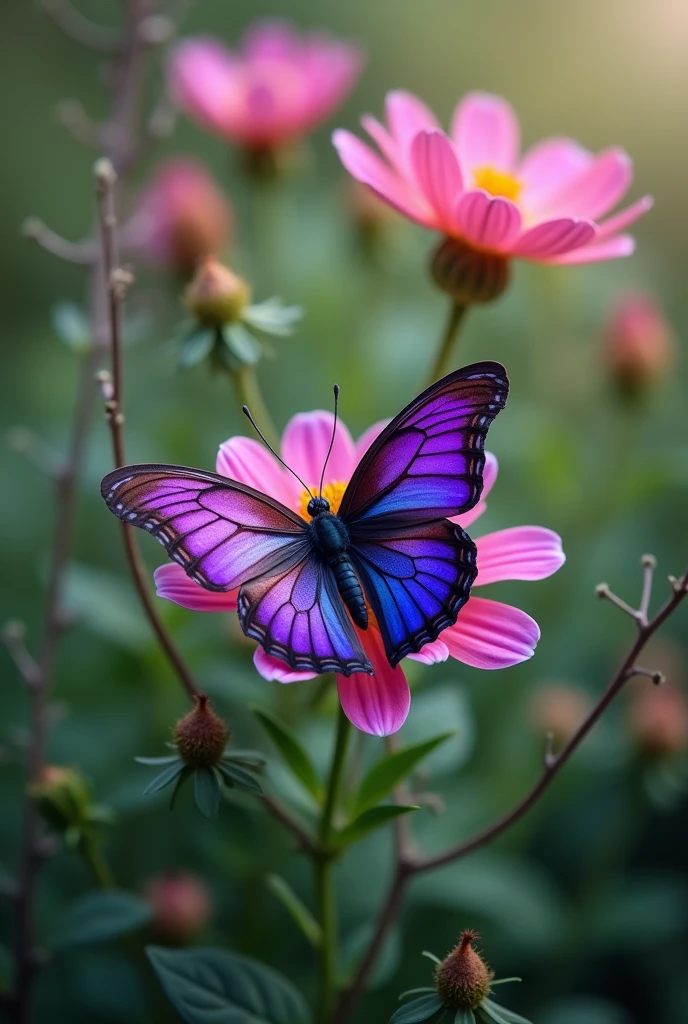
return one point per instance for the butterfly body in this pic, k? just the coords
(330, 539)
(302, 585)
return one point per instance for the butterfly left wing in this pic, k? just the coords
(222, 533)
(416, 578)
(428, 462)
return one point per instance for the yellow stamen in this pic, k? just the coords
(497, 183)
(332, 492)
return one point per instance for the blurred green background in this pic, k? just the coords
(587, 899)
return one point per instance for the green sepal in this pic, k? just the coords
(417, 1010)
(235, 776)
(157, 760)
(244, 348)
(207, 792)
(197, 346)
(500, 1014)
(181, 779)
(165, 777)
(273, 317)
(464, 1017)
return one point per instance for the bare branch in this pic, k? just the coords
(80, 28)
(14, 639)
(82, 253)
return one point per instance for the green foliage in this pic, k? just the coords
(206, 986)
(371, 820)
(296, 908)
(391, 770)
(417, 1010)
(100, 916)
(292, 751)
(207, 791)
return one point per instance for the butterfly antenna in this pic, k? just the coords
(247, 413)
(334, 431)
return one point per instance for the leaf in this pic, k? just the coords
(207, 792)
(500, 1014)
(291, 750)
(241, 343)
(72, 327)
(188, 770)
(384, 776)
(417, 1010)
(236, 776)
(273, 317)
(296, 908)
(164, 778)
(196, 347)
(367, 822)
(214, 986)
(99, 917)
(158, 760)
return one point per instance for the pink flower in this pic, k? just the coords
(487, 634)
(275, 88)
(639, 343)
(181, 217)
(472, 185)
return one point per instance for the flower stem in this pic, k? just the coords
(248, 393)
(323, 873)
(443, 358)
(99, 867)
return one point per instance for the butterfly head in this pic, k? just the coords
(316, 507)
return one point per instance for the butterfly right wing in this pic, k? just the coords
(298, 616)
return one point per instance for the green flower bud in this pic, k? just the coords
(62, 797)
(216, 296)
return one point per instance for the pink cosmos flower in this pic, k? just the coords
(275, 88)
(545, 205)
(487, 634)
(181, 217)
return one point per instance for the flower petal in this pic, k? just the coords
(436, 170)
(367, 437)
(519, 553)
(625, 217)
(548, 168)
(201, 77)
(305, 442)
(364, 165)
(490, 635)
(432, 653)
(607, 249)
(485, 130)
(489, 477)
(554, 237)
(598, 188)
(172, 583)
(278, 671)
(487, 221)
(249, 462)
(384, 141)
(406, 116)
(375, 704)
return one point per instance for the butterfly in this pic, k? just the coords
(304, 585)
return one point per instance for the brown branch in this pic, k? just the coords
(82, 253)
(408, 865)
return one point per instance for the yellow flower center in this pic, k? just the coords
(497, 183)
(332, 492)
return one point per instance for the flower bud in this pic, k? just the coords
(62, 797)
(469, 275)
(181, 906)
(182, 217)
(658, 719)
(201, 736)
(639, 344)
(216, 296)
(559, 709)
(463, 978)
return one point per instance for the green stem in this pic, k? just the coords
(323, 873)
(95, 859)
(248, 393)
(443, 358)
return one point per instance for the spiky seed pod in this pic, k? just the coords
(201, 736)
(463, 977)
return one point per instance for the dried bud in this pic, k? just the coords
(62, 797)
(201, 736)
(469, 275)
(639, 344)
(216, 296)
(658, 719)
(463, 978)
(182, 217)
(181, 906)
(559, 709)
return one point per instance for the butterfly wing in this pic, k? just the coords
(428, 462)
(298, 616)
(416, 578)
(221, 532)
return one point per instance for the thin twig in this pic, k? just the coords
(82, 253)
(80, 28)
(408, 869)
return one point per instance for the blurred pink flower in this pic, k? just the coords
(275, 88)
(472, 185)
(487, 634)
(640, 344)
(182, 216)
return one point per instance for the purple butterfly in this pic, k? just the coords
(390, 547)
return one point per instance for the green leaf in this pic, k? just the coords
(241, 343)
(207, 792)
(296, 908)
(236, 776)
(367, 822)
(387, 773)
(99, 917)
(158, 760)
(165, 777)
(417, 1010)
(214, 986)
(184, 775)
(291, 750)
(500, 1014)
(72, 327)
(196, 347)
